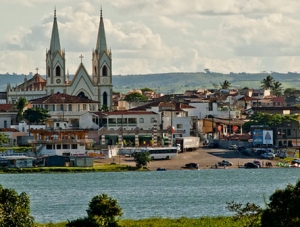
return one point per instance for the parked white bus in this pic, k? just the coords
(162, 152)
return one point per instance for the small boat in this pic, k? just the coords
(161, 169)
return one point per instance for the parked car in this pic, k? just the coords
(296, 161)
(225, 163)
(268, 155)
(233, 147)
(213, 145)
(256, 162)
(192, 165)
(246, 151)
(260, 151)
(281, 154)
(251, 165)
(240, 148)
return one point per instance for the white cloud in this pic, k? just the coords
(156, 36)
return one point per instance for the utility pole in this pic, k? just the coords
(63, 107)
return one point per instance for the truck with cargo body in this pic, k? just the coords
(188, 143)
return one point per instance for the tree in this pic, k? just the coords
(225, 85)
(291, 91)
(267, 119)
(103, 211)
(36, 115)
(20, 105)
(283, 208)
(141, 159)
(249, 213)
(267, 83)
(3, 138)
(104, 108)
(135, 96)
(14, 209)
(146, 89)
(277, 88)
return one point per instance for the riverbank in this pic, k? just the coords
(206, 158)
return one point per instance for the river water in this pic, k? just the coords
(61, 197)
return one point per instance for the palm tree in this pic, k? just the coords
(267, 83)
(225, 85)
(20, 105)
(277, 88)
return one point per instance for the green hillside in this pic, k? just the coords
(179, 82)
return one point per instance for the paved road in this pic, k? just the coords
(205, 157)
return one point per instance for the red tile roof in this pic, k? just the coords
(6, 107)
(60, 98)
(8, 130)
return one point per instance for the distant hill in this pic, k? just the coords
(179, 82)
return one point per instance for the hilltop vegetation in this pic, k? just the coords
(179, 82)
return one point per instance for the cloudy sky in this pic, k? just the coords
(155, 36)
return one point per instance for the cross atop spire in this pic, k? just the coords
(55, 42)
(81, 56)
(101, 40)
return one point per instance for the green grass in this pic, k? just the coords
(97, 168)
(168, 222)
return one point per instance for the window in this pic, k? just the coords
(74, 146)
(70, 107)
(49, 146)
(288, 132)
(105, 99)
(78, 107)
(57, 71)
(5, 124)
(210, 106)
(66, 146)
(131, 121)
(84, 106)
(58, 146)
(48, 71)
(61, 107)
(179, 126)
(141, 120)
(104, 71)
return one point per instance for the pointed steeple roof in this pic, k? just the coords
(101, 40)
(55, 43)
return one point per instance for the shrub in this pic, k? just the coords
(283, 209)
(14, 209)
(103, 211)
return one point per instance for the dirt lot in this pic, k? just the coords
(205, 157)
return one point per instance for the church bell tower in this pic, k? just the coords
(102, 68)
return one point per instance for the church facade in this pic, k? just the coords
(97, 86)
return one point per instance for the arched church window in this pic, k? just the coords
(104, 71)
(57, 71)
(105, 99)
(82, 95)
(95, 71)
(48, 71)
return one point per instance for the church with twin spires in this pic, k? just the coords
(97, 87)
